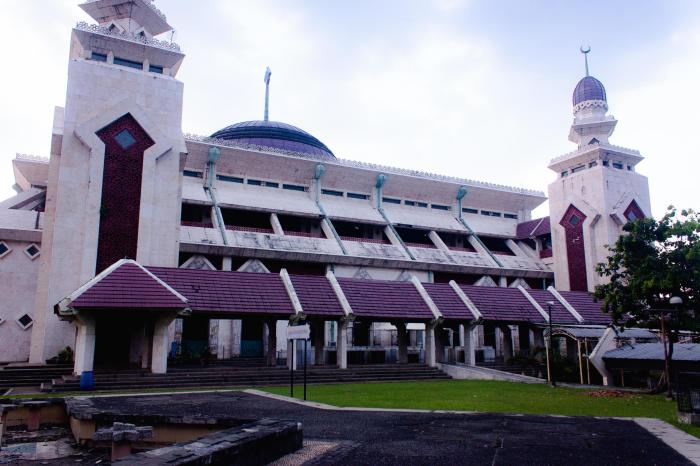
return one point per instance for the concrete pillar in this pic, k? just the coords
(160, 347)
(227, 263)
(271, 355)
(503, 282)
(430, 359)
(440, 343)
(224, 340)
(318, 341)
(538, 337)
(470, 343)
(524, 338)
(84, 357)
(342, 345)
(507, 342)
(402, 341)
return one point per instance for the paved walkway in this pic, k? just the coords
(377, 437)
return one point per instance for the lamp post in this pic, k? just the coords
(550, 350)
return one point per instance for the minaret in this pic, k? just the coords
(117, 147)
(596, 192)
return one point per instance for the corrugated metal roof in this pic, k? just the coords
(655, 351)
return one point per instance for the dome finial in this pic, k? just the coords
(585, 50)
(268, 73)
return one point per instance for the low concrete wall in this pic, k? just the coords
(257, 443)
(463, 372)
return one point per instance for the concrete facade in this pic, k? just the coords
(234, 205)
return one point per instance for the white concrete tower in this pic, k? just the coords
(596, 192)
(116, 156)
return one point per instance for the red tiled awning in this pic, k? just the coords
(446, 299)
(386, 300)
(586, 305)
(560, 315)
(126, 285)
(213, 291)
(502, 304)
(316, 296)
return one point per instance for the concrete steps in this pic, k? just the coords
(15, 376)
(244, 376)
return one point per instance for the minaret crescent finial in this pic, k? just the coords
(585, 50)
(268, 73)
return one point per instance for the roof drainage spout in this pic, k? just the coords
(379, 184)
(318, 174)
(214, 154)
(461, 193)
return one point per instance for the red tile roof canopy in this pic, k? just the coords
(386, 300)
(124, 285)
(230, 293)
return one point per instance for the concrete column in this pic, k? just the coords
(440, 340)
(503, 282)
(471, 340)
(430, 359)
(224, 340)
(402, 341)
(318, 335)
(271, 356)
(538, 337)
(160, 347)
(342, 345)
(227, 263)
(507, 342)
(84, 345)
(524, 338)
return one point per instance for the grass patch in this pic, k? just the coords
(492, 397)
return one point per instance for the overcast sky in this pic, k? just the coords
(474, 88)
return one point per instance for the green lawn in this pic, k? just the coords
(491, 396)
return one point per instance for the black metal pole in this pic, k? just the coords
(305, 345)
(551, 348)
(291, 372)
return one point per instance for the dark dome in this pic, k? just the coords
(589, 88)
(276, 135)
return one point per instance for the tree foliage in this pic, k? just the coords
(652, 261)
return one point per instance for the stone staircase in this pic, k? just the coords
(30, 376)
(228, 375)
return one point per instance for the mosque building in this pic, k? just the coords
(135, 242)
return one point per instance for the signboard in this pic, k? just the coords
(298, 332)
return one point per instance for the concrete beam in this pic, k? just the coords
(534, 303)
(276, 225)
(289, 288)
(340, 295)
(566, 304)
(465, 299)
(426, 298)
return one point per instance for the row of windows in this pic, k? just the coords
(606, 163)
(32, 251)
(349, 195)
(128, 63)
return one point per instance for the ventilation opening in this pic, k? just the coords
(301, 226)
(25, 321)
(360, 232)
(4, 249)
(415, 237)
(456, 242)
(246, 220)
(497, 245)
(32, 251)
(196, 216)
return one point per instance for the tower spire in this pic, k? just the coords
(268, 73)
(585, 50)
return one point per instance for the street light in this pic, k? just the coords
(550, 350)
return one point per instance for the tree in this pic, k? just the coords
(652, 261)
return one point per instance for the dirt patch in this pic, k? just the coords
(612, 394)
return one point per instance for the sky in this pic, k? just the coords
(473, 88)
